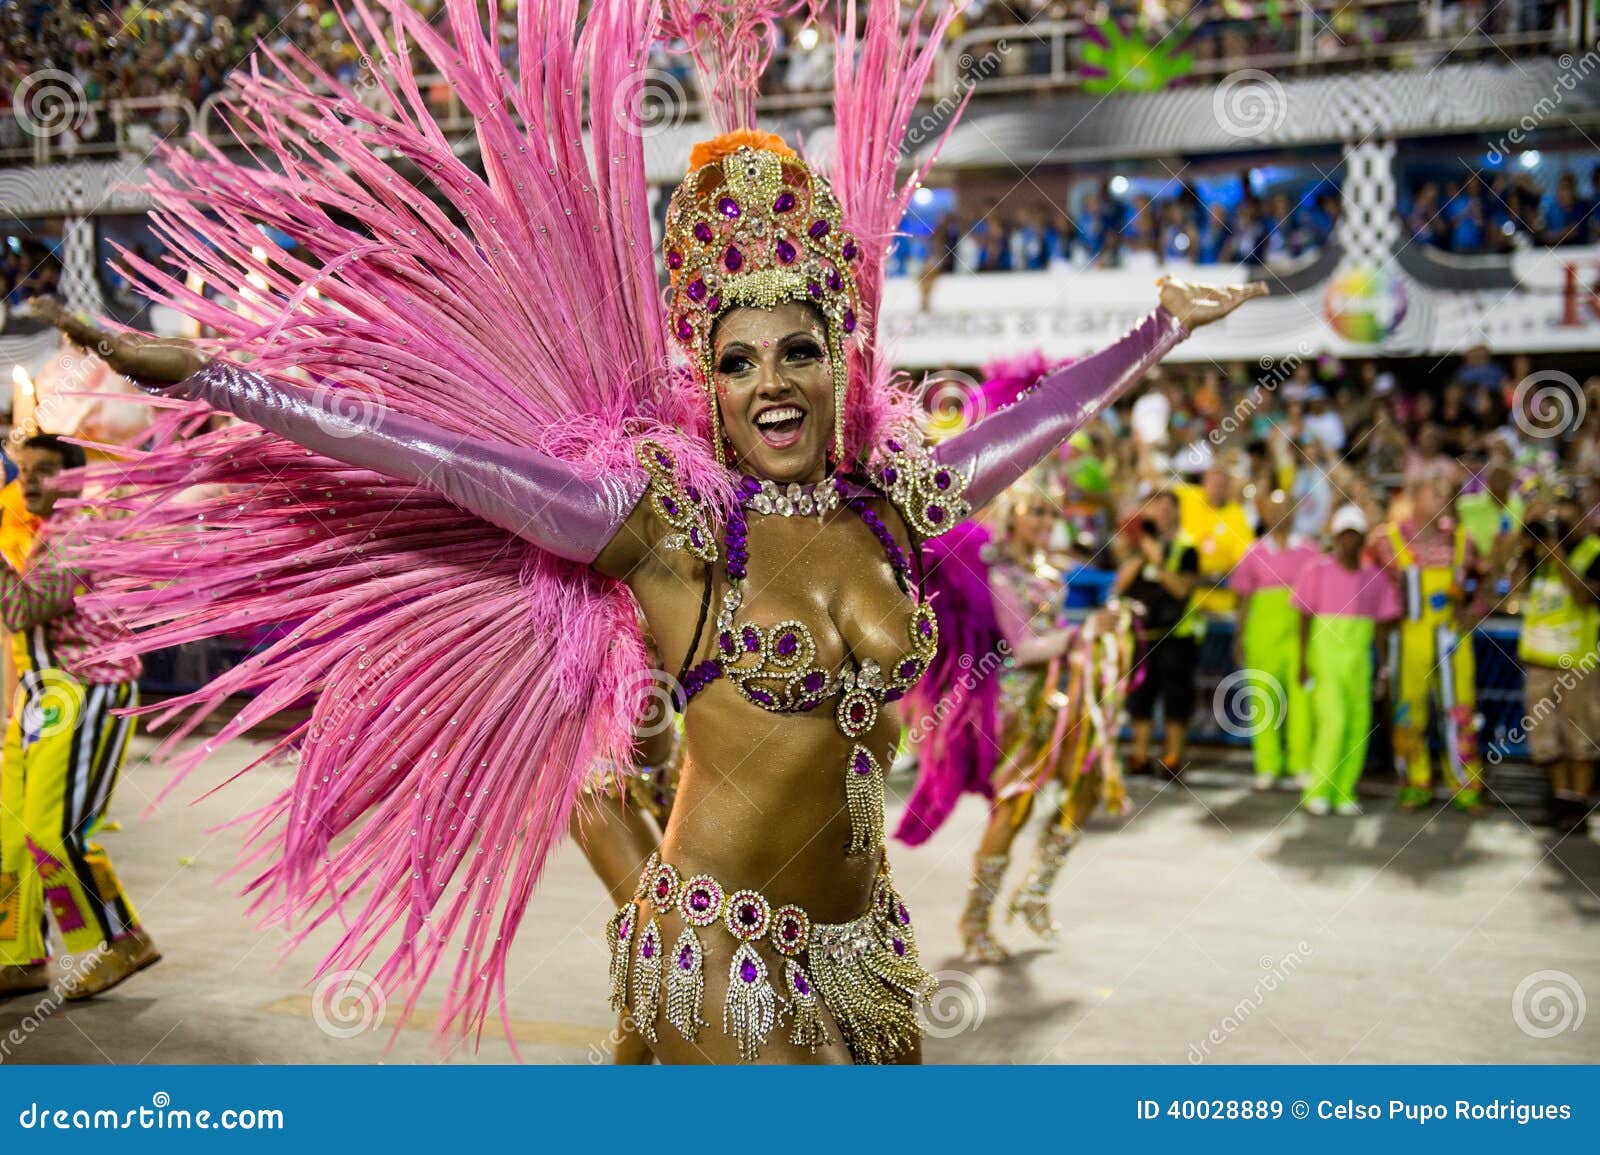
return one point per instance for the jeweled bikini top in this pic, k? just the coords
(774, 667)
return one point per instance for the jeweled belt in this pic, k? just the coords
(751, 1008)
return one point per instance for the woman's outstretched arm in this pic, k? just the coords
(1002, 447)
(556, 505)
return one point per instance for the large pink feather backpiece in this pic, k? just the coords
(879, 73)
(463, 681)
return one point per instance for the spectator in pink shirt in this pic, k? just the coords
(1346, 607)
(1268, 646)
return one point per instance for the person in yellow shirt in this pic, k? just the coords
(17, 530)
(1215, 521)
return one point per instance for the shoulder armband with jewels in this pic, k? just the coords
(676, 504)
(930, 496)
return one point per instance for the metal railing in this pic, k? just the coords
(1315, 36)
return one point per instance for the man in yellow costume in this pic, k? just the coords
(1436, 570)
(64, 747)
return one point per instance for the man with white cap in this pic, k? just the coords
(1345, 608)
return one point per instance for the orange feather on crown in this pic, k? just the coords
(719, 147)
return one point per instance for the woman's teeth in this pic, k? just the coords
(781, 426)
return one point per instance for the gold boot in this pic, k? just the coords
(1032, 899)
(978, 945)
(110, 965)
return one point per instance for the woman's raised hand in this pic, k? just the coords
(153, 360)
(1197, 305)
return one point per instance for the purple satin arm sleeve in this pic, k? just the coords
(1006, 444)
(552, 503)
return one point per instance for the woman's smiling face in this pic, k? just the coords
(774, 386)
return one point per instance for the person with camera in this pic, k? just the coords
(1159, 568)
(1558, 575)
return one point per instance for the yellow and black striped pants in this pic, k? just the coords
(63, 750)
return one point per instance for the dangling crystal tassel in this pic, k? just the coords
(751, 1006)
(647, 981)
(805, 1025)
(619, 933)
(863, 791)
(686, 986)
(1032, 898)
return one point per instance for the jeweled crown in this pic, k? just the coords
(752, 225)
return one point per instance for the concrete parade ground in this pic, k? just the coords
(1214, 924)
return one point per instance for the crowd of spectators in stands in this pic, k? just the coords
(1110, 231)
(1498, 212)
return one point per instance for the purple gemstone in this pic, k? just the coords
(697, 290)
(813, 288)
(725, 642)
(685, 959)
(908, 670)
(813, 682)
(663, 887)
(902, 914)
(713, 303)
(925, 627)
(761, 697)
(728, 207)
(784, 203)
(669, 505)
(694, 536)
(700, 900)
(936, 514)
(802, 985)
(732, 259)
(752, 640)
(858, 712)
(809, 704)
(787, 645)
(747, 914)
(648, 950)
(748, 972)
(834, 282)
(791, 930)
(625, 929)
(849, 251)
(863, 764)
(685, 330)
(749, 485)
(674, 259)
(663, 459)
(702, 232)
(894, 446)
(818, 229)
(849, 320)
(893, 695)
(786, 252)
(900, 947)
(942, 479)
(890, 475)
